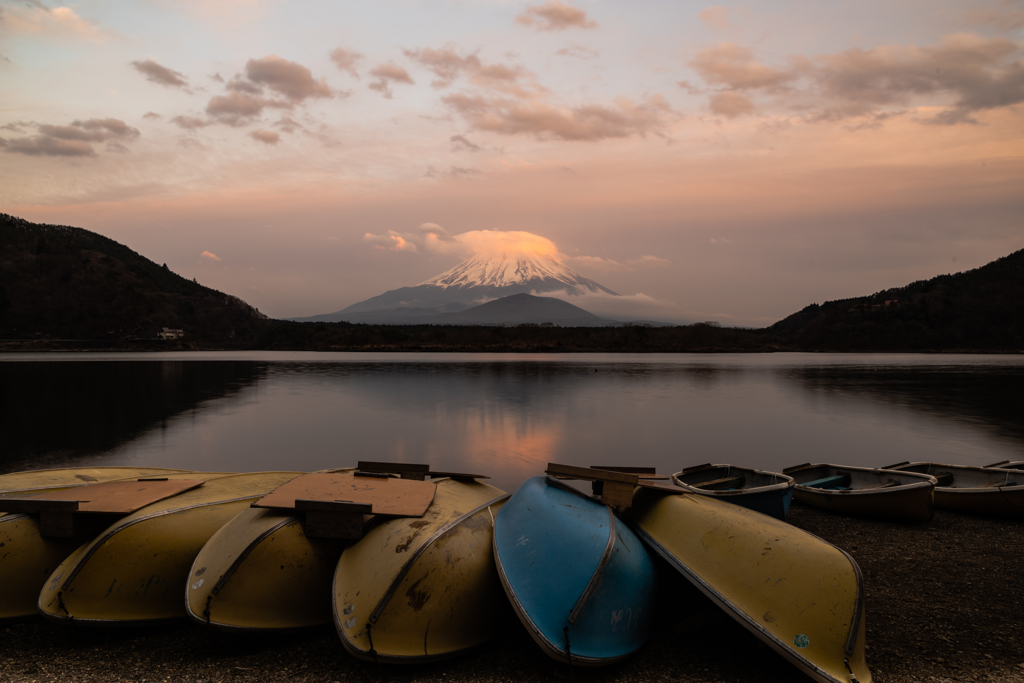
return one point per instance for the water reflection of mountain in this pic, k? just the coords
(53, 414)
(991, 398)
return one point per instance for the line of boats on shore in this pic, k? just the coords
(413, 565)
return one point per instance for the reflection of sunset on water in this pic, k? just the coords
(510, 447)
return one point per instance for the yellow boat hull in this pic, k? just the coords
(260, 571)
(800, 595)
(26, 557)
(136, 570)
(427, 587)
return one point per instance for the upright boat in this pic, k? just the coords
(135, 571)
(801, 596)
(579, 579)
(769, 493)
(29, 557)
(865, 491)
(990, 491)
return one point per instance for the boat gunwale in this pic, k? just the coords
(787, 482)
(366, 655)
(929, 481)
(745, 620)
(966, 489)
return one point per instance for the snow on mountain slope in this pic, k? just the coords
(503, 269)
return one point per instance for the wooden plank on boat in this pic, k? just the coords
(835, 481)
(334, 518)
(113, 497)
(587, 474)
(386, 496)
(883, 485)
(642, 472)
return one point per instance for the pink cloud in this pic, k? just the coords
(210, 255)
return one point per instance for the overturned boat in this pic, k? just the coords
(989, 491)
(135, 570)
(416, 588)
(581, 582)
(865, 491)
(801, 596)
(769, 493)
(29, 556)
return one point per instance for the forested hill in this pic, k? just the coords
(978, 310)
(59, 282)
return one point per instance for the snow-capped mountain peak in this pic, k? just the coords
(502, 269)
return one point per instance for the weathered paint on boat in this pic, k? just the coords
(26, 557)
(136, 570)
(992, 492)
(580, 581)
(38, 481)
(867, 492)
(769, 493)
(260, 571)
(426, 586)
(798, 594)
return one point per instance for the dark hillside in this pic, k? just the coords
(978, 310)
(59, 282)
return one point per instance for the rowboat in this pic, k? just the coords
(993, 492)
(1008, 465)
(30, 556)
(865, 491)
(230, 587)
(769, 493)
(579, 580)
(416, 589)
(135, 571)
(801, 596)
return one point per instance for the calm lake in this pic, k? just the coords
(505, 415)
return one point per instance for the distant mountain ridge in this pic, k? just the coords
(61, 282)
(979, 309)
(482, 278)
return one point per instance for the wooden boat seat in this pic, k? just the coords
(944, 478)
(882, 485)
(837, 481)
(721, 484)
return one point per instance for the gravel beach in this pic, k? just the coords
(945, 602)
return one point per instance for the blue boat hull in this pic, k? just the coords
(580, 580)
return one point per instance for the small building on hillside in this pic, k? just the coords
(170, 334)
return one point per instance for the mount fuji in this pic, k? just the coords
(482, 278)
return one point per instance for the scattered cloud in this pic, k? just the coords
(286, 78)
(554, 16)
(288, 124)
(74, 140)
(715, 17)
(451, 172)
(731, 104)
(385, 75)
(600, 264)
(268, 137)
(964, 73)
(210, 255)
(1008, 16)
(460, 143)
(190, 122)
(391, 242)
(161, 75)
(346, 60)
(59, 23)
(648, 261)
(237, 108)
(510, 116)
(151, 115)
(578, 51)
(448, 66)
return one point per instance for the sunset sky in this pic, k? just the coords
(713, 162)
